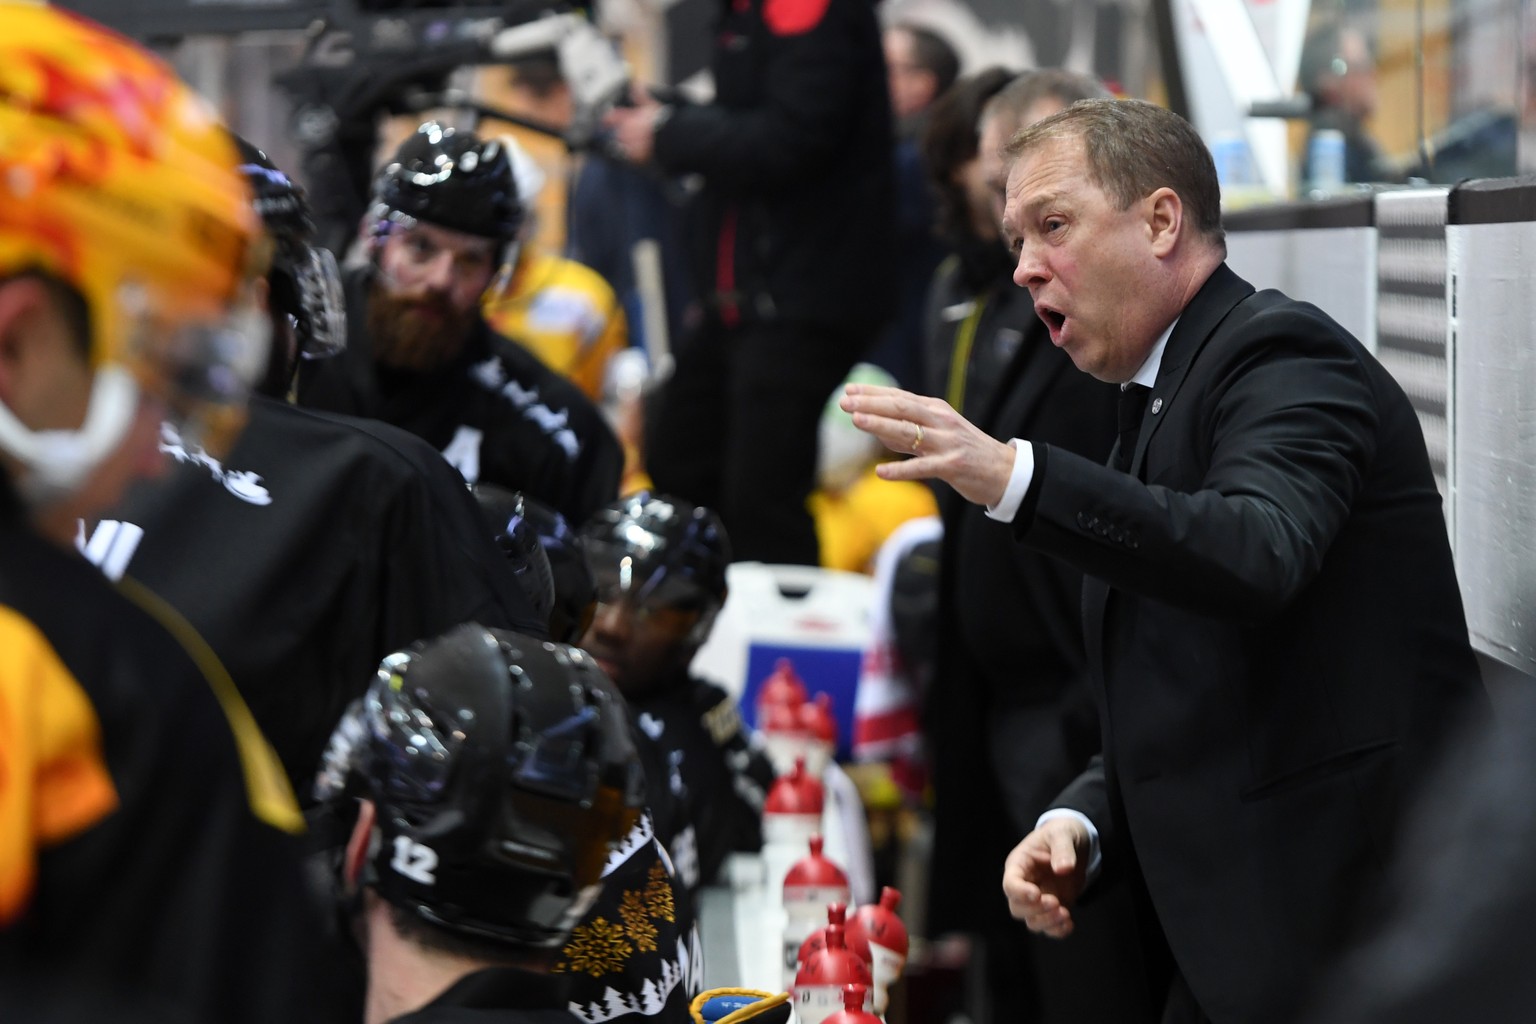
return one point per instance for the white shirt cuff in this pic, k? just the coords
(1095, 858)
(1018, 483)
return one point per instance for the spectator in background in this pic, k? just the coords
(956, 368)
(920, 67)
(1338, 72)
(533, 88)
(1001, 739)
(609, 206)
(793, 219)
(445, 221)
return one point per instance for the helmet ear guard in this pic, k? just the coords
(575, 590)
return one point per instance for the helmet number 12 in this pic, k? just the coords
(414, 861)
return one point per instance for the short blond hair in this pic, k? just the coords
(1133, 149)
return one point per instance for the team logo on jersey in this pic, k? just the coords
(243, 484)
(492, 376)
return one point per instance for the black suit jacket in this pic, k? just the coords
(1275, 635)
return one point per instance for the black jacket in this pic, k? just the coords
(497, 413)
(795, 218)
(1274, 632)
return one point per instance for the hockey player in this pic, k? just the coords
(420, 355)
(645, 980)
(496, 778)
(145, 856)
(319, 543)
(660, 568)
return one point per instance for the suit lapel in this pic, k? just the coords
(1220, 294)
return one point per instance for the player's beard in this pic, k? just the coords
(419, 332)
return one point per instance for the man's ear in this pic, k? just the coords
(359, 843)
(1165, 220)
(22, 301)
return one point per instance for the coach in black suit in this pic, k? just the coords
(1275, 635)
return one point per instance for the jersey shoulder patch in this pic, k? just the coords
(793, 17)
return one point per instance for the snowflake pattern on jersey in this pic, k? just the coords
(596, 948)
(658, 895)
(637, 922)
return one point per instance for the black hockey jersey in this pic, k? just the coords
(715, 777)
(497, 413)
(145, 849)
(317, 546)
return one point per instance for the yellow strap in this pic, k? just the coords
(266, 785)
(960, 359)
(765, 1001)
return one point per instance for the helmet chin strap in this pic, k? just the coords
(57, 462)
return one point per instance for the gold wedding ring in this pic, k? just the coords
(917, 438)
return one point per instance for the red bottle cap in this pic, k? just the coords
(783, 686)
(816, 718)
(834, 965)
(878, 925)
(816, 870)
(837, 914)
(796, 793)
(784, 720)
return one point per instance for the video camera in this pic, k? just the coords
(375, 57)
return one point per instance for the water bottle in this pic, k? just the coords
(1325, 156)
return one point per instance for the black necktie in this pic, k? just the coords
(1133, 405)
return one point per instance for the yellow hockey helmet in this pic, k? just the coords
(118, 180)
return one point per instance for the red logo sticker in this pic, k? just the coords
(792, 17)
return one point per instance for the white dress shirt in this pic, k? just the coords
(1024, 462)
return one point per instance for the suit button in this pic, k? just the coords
(1133, 543)
(1085, 520)
(1102, 529)
(1117, 535)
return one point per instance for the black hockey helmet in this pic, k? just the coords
(659, 552)
(503, 773)
(575, 587)
(506, 513)
(305, 285)
(453, 179)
